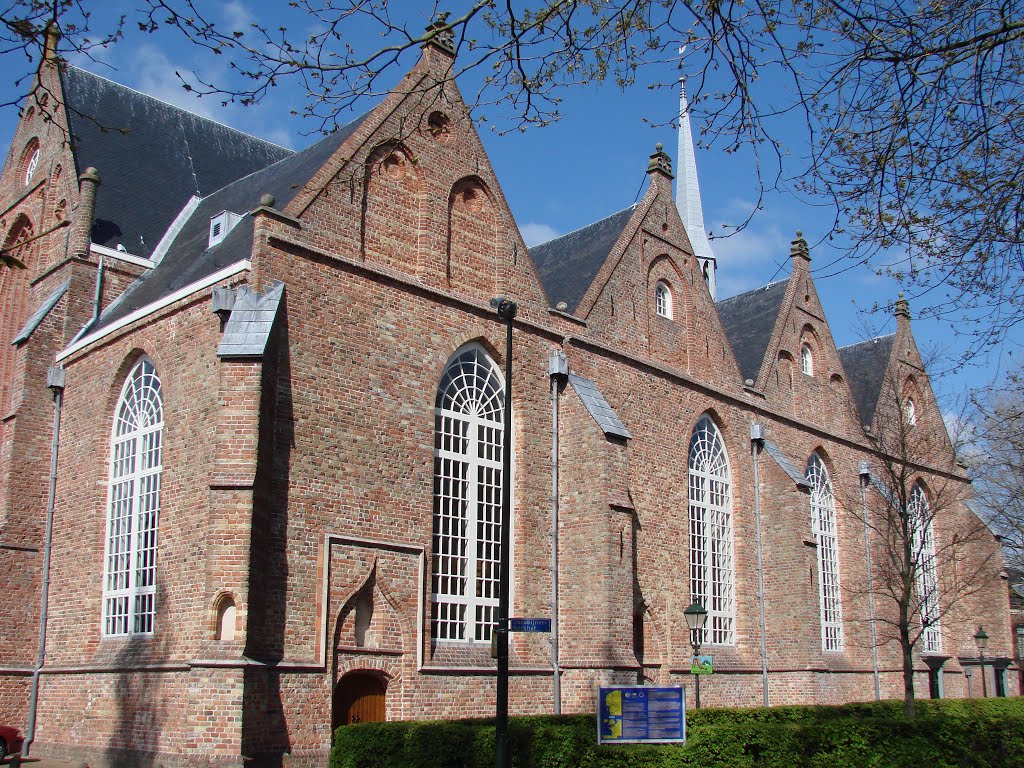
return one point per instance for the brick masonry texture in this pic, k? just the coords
(298, 486)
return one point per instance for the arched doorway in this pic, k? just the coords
(358, 698)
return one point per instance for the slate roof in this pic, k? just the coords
(151, 156)
(41, 312)
(865, 364)
(251, 321)
(748, 320)
(786, 464)
(598, 406)
(188, 259)
(568, 264)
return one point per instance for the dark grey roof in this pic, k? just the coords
(41, 311)
(188, 258)
(151, 156)
(598, 407)
(748, 320)
(786, 465)
(568, 264)
(251, 321)
(886, 492)
(865, 364)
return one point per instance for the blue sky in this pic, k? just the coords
(566, 175)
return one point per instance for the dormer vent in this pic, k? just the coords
(221, 224)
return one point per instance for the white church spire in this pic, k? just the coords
(688, 194)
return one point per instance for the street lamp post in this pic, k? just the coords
(507, 313)
(981, 640)
(696, 616)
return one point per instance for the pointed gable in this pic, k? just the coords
(866, 363)
(152, 157)
(568, 264)
(749, 320)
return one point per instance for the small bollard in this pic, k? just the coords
(15, 761)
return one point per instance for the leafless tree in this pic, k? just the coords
(931, 552)
(906, 116)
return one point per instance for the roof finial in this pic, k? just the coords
(660, 161)
(798, 248)
(902, 310)
(440, 34)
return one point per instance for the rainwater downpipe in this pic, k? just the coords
(55, 377)
(558, 370)
(865, 477)
(756, 440)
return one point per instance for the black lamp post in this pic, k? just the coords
(981, 640)
(507, 313)
(696, 616)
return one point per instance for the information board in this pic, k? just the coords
(630, 714)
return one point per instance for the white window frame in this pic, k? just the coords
(33, 164)
(910, 409)
(663, 300)
(807, 359)
(823, 526)
(923, 546)
(711, 532)
(133, 506)
(469, 410)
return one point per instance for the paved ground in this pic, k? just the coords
(40, 762)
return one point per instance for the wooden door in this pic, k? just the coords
(359, 698)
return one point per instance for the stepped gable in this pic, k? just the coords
(188, 258)
(152, 157)
(568, 264)
(748, 320)
(865, 364)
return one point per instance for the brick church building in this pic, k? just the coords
(252, 432)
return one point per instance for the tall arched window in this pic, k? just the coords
(711, 561)
(922, 542)
(910, 411)
(468, 439)
(823, 524)
(663, 299)
(129, 583)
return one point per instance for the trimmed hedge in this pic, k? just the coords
(952, 733)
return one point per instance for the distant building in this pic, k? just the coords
(278, 384)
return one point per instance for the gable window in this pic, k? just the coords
(910, 410)
(807, 360)
(922, 541)
(710, 516)
(30, 161)
(823, 525)
(663, 299)
(468, 439)
(129, 582)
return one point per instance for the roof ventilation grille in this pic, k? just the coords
(220, 225)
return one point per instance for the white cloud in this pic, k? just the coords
(750, 258)
(535, 234)
(237, 16)
(156, 76)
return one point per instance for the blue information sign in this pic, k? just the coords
(629, 714)
(529, 625)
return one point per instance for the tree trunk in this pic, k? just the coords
(907, 648)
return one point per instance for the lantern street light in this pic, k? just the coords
(696, 616)
(506, 313)
(981, 640)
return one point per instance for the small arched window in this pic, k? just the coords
(807, 360)
(30, 160)
(468, 442)
(823, 525)
(910, 410)
(663, 299)
(129, 584)
(226, 616)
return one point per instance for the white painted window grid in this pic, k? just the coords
(807, 360)
(923, 547)
(33, 164)
(129, 582)
(711, 535)
(468, 440)
(911, 411)
(823, 525)
(663, 299)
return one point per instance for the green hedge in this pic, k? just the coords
(951, 733)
